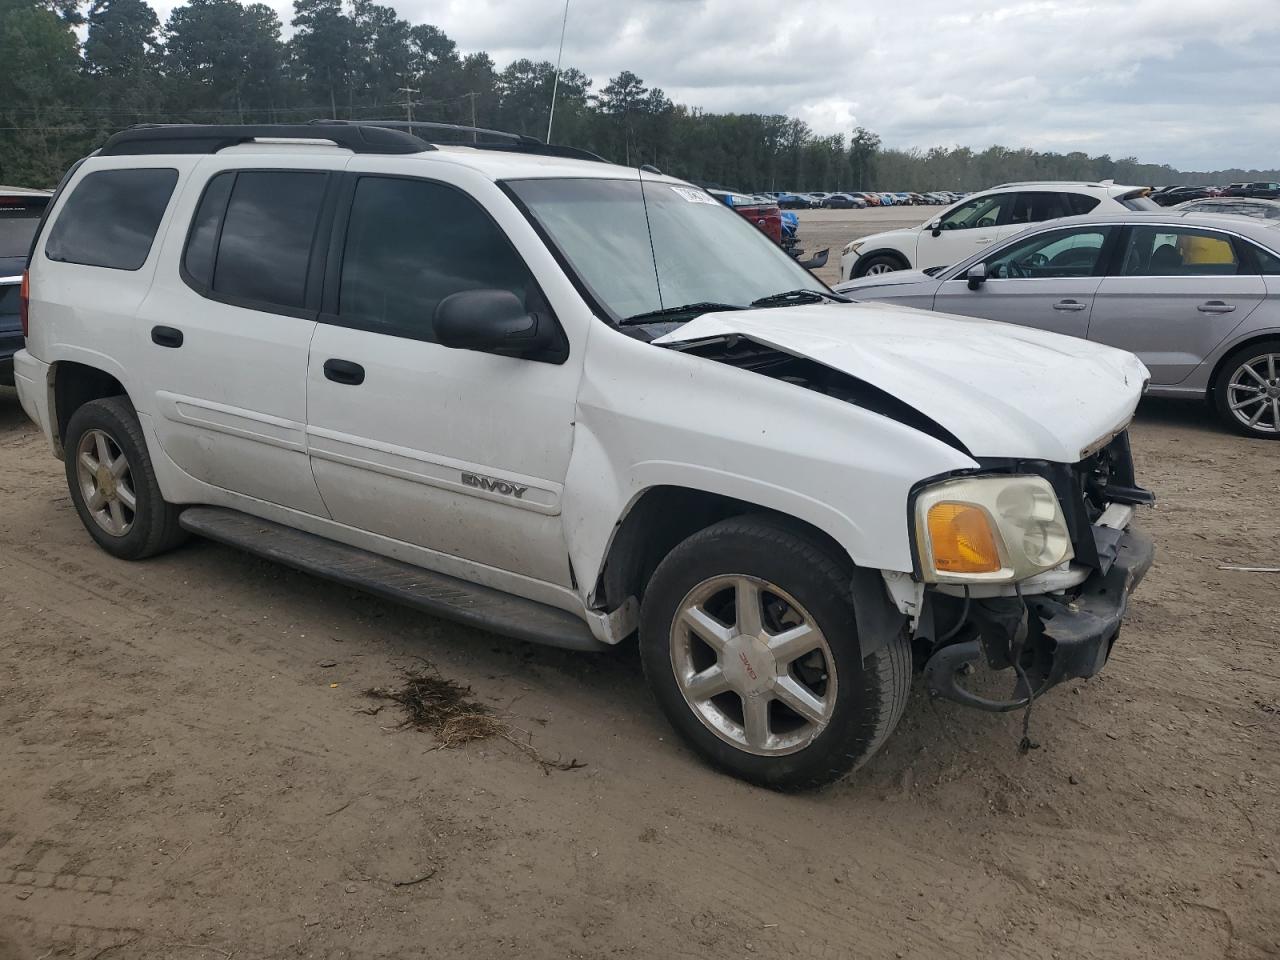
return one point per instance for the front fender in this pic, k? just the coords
(649, 416)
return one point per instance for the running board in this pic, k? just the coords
(404, 583)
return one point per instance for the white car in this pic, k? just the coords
(575, 402)
(981, 219)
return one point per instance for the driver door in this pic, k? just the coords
(1048, 281)
(962, 231)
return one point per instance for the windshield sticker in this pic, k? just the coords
(695, 196)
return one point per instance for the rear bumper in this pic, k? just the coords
(31, 377)
(1055, 637)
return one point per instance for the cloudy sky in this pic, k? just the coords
(1188, 82)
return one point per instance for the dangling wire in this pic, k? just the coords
(1026, 743)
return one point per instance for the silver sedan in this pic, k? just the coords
(1196, 297)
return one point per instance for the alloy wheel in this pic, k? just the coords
(753, 665)
(878, 268)
(106, 482)
(1253, 393)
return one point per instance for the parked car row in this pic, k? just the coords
(845, 199)
(1258, 189)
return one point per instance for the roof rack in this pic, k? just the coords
(1071, 183)
(471, 137)
(146, 138)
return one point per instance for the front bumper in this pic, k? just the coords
(1053, 637)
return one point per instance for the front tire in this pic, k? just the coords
(1247, 391)
(113, 484)
(750, 646)
(878, 265)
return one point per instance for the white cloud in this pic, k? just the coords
(1188, 82)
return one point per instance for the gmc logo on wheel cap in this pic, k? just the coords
(493, 485)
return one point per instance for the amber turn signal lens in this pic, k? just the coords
(961, 539)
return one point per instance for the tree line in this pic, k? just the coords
(221, 61)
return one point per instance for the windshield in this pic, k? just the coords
(19, 217)
(701, 252)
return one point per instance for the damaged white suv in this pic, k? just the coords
(572, 402)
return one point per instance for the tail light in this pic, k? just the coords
(24, 301)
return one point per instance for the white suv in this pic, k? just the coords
(573, 402)
(981, 219)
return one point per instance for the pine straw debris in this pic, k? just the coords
(442, 708)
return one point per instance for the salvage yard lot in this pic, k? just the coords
(191, 769)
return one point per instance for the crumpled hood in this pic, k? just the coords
(1003, 390)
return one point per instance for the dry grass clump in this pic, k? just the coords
(444, 709)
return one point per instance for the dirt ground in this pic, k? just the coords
(190, 771)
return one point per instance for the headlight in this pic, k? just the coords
(851, 247)
(990, 529)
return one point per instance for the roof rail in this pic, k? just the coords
(471, 137)
(147, 138)
(1037, 183)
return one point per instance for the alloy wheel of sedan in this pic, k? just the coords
(106, 482)
(1253, 393)
(753, 665)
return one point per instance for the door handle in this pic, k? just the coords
(166, 337)
(1070, 305)
(1215, 306)
(344, 371)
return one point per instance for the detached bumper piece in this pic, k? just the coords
(1054, 638)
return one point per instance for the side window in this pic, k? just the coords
(1178, 252)
(976, 212)
(410, 244)
(1078, 204)
(1039, 207)
(1061, 253)
(110, 219)
(251, 236)
(1268, 261)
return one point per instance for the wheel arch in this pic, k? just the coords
(663, 515)
(865, 258)
(1231, 350)
(72, 384)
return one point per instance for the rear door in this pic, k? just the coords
(1176, 293)
(1030, 207)
(225, 335)
(1047, 280)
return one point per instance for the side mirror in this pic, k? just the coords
(936, 226)
(976, 275)
(494, 321)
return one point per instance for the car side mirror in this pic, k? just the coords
(494, 321)
(976, 275)
(936, 226)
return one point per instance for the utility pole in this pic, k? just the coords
(408, 103)
(474, 135)
(555, 86)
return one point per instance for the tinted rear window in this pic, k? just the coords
(111, 218)
(19, 217)
(268, 221)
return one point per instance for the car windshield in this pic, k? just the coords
(646, 246)
(19, 217)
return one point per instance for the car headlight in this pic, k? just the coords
(851, 247)
(990, 530)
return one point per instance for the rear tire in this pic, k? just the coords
(1249, 381)
(113, 484)
(879, 264)
(786, 701)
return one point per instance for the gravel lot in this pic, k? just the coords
(191, 771)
